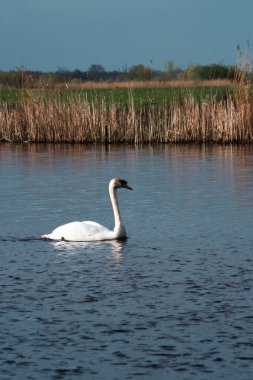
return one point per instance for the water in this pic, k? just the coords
(173, 301)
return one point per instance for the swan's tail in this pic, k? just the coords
(45, 237)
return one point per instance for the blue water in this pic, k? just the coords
(173, 301)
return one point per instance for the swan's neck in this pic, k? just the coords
(115, 205)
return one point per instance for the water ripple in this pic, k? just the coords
(174, 301)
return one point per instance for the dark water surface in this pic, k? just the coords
(174, 301)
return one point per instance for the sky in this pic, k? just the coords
(46, 35)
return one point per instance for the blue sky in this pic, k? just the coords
(73, 34)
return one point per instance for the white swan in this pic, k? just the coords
(92, 231)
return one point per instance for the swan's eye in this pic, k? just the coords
(123, 182)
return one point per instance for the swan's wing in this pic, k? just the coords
(93, 228)
(80, 231)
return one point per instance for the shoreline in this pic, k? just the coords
(124, 117)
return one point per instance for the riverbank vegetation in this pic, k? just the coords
(218, 111)
(22, 77)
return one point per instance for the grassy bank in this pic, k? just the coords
(115, 114)
(119, 93)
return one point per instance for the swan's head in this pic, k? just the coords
(117, 183)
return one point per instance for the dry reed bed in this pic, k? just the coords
(147, 84)
(80, 121)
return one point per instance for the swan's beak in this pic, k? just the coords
(127, 187)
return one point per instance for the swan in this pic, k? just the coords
(92, 231)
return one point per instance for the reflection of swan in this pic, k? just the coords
(114, 249)
(92, 231)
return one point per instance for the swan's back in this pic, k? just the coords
(80, 231)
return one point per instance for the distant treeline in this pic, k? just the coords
(22, 77)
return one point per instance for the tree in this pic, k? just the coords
(96, 68)
(169, 70)
(207, 72)
(96, 72)
(139, 72)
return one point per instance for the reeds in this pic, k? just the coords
(146, 84)
(79, 120)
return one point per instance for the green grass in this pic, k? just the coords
(9, 96)
(119, 96)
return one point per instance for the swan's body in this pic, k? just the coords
(92, 231)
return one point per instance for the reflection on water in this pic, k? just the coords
(173, 301)
(235, 160)
(115, 248)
